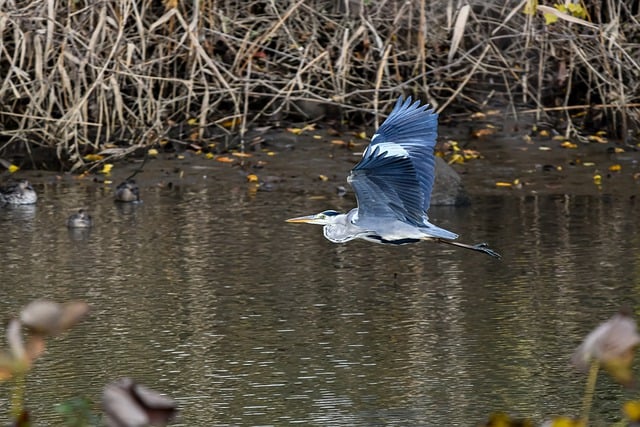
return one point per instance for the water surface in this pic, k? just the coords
(205, 293)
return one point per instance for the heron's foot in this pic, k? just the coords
(484, 247)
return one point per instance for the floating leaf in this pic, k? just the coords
(224, 159)
(13, 168)
(544, 133)
(239, 154)
(209, 156)
(317, 137)
(271, 153)
(558, 138)
(252, 177)
(152, 152)
(478, 115)
(618, 150)
(543, 148)
(588, 164)
(323, 177)
(615, 168)
(338, 142)
(503, 184)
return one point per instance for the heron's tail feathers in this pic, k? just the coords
(431, 232)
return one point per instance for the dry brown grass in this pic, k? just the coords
(79, 74)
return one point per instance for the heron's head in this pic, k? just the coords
(322, 218)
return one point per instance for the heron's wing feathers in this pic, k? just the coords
(385, 187)
(399, 163)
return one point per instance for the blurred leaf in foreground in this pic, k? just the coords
(127, 404)
(46, 317)
(612, 344)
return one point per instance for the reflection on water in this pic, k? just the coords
(206, 293)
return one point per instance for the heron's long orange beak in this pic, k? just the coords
(309, 219)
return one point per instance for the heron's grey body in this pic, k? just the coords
(349, 226)
(393, 184)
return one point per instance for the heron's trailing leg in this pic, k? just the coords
(480, 247)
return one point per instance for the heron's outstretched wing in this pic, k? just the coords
(396, 173)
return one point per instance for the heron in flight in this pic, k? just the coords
(393, 183)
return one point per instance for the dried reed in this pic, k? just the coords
(80, 75)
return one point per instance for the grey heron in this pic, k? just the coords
(393, 183)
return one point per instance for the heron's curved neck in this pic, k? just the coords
(342, 229)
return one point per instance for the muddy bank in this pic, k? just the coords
(315, 164)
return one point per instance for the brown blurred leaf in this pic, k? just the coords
(127, 404)
(50, 318)
(481, 133)
(612, 344)
(224, 159)
(239, 154)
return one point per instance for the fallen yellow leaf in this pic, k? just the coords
(298, 131)
(597, 179)
(478, 115)
(456, 158)
(568, 144)
(152, 152)
(544, 133)
(252, 177)
(323, 177)
(239, 154)
(317, 137)
(224, 159)
(615, 168)
(106, 168)
(209, 156)
(93, 157)
(361, 135)
(192, 121)
(503, 184)
(13, 168)
(230, 123)
(597, 138)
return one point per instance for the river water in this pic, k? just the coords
(205, 293)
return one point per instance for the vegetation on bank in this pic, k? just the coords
(87, 77)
